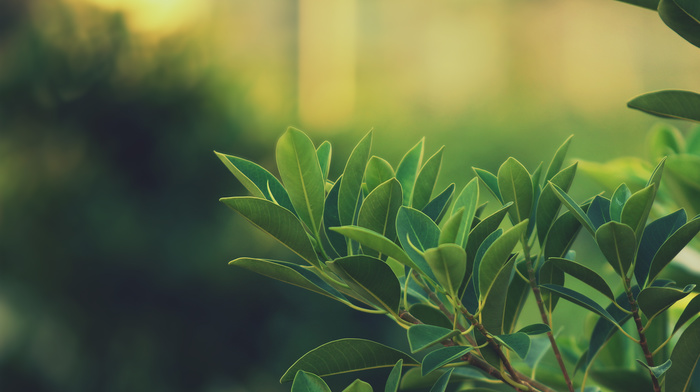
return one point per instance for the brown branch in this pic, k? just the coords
(642, 338)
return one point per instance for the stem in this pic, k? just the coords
(642, 338)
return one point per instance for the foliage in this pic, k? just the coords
(382, 241)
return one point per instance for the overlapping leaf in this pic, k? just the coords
(515, 184)
(422, 336)
(618, 244)
(425, 182)
(437, 207)
(379, 209)
(351, 182)
(377, 171)
(407, 171)
(685, 358)
(371, 278)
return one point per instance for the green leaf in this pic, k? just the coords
(692, 143)
(684, 105)
(351, 182)
(654, 300)
(416, 229)
(422, 336)
(449, 263)
(379, 209)
(535, 329)
(550, 274)
(690, 7)
(579, 299)
(493, 309)
(258, 181)
(517, 342)
(664, 140)
(358, 386)
(655, 234)
(636, 210)
(437, 207)
(548, 203)
(618, 200)
(347, 355)
(429, 315)
(574, 208)
(685, 357)
(309, 382)
(680, 21)
(481, 231)
(425, 183)
(518, 291)
(448, 234)
(618, 244)
(301, 174)
(686, 169)
(392, 382)
(672, 246)
(374, 240)
(515, 184)
(323, 153)
(377, 171)
(485, 245)
(371, 278)
(657, 371)
(441, 384)
(558, 160)
(491, 182)
(496, 256)
(691, 310)
(467, 200)
(407, 171)
(277, 221)
(436, 359)
(584, 274)
(599, 211)
(650, 4)
(332, 219)
(604, 329)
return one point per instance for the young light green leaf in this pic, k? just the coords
(370, 278)
(636, 210)
(301, 174)
(437, 207)
(515, 184)
(654, 300)
(436, 359)
(574, 208)
(491, 182)
(496, 256)
(618, 244)
(685, 167)
(378, 171)
(677, 104)
(557, 160)
(548, 203)
(392, 382)
(374, 240)
(672, 246)
(277, 221)
(584, 274)
(579, 299)
(425, 182)
(618, 200)
(309, 382)
(347, 355)
(691, 310)
(407, 171)
(657, 371)
(441, 384)
(448, 262)
(379, 209)
(358, 386)
(467, 200)
(685, 357)
(665, 140)
(351, 182)
(422, 336)
(448, 235)
(416, 229)
(517, 342)
(323, 152)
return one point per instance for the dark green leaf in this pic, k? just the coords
(407, 171)
(574, 209)
(584, 274)
(332, 219)
(416, 229)
(518, 291)
(347, 355)
(358, 386)
(371, 278)
(636, 210)
(604, 329)
(323, 152)
(517, 342)
(655, 234)
(657, 371)
(493, 309)
(437, 207)
(562, 235)
(496, 256)
(392, 382)
(277, 221)
(650, 4)
(680, 21)
(422, 336)
(535, 329)
(482, 230)
(618, 244)
(537, 191)
(351, 182)
(441, 384)
(448, 262)
(550, 274)
(599, 211)
(309, 382)
(618, 200)
(425, 183)
(515, 185)
(443, 356)
(672, 246)
(301, 174)
(685, 357)
(429, 315)
(378, 171)
(379, 209)
(690, 7)
(467, 200)
(376, 241)
(678, 104)
(691, 310)
(579, 299)
(258, 181)
(654, 300)
(485, 245)
(548, 203)
(491, 182)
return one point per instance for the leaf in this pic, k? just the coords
(584, 274)
(376, 241)
(351, 182)
(655, 234)
(579, 299)
(604, 329)
(517, 342)
(277, 221)
(672, 246)
(425, 182)
(664, 140)
(684, 105)
(654, 300)
(558, 160)
(618, 200)
(680, 21)
(690, 7)
(685, 357)
(550, 274)
(416, 229)
(657, 371)
(323, 153)
(441, 384)
(371, 278)
(485, 245)
(691, 310)
(379, 209)
(686, 169)
(422, 336)
(467, 200)
(481, 231)
(518, 291)
(407, 171)
(436, 359)
(574, 209)
(347, 355)
(548, 203)
(599, 211)
(429, 315)
(258, 181)
(515, 185)
(448, 234)
(392, 382)
(301, 174)
(636, 210)
(618, 244)
(535, 329)
(358, 386)
(331, 218)
(437, 207)
(493, 309)
(491, 182)
(309, 382)
(496, 256)
(377, 171)
(650, 4)
(449, 263)
(561, 236)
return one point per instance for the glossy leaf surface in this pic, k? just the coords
(376, 241)
(441, 384)
(467, 200)
(584, 274)
(437, 207)
(392, 382)
(636, 211)
(671, 103)
(416, 229)
(407, 171)
(574, 208)
(351, 182)
(691, 310)
(655, 234)
(358, 386)
(517, 342)
(579, 299)
(323, 153)
(491, 182)
(672, 246)
(599, 211)
(448, 262)
(618, 200)
(548, 204)
(496, 256)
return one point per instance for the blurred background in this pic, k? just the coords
(113, 246)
